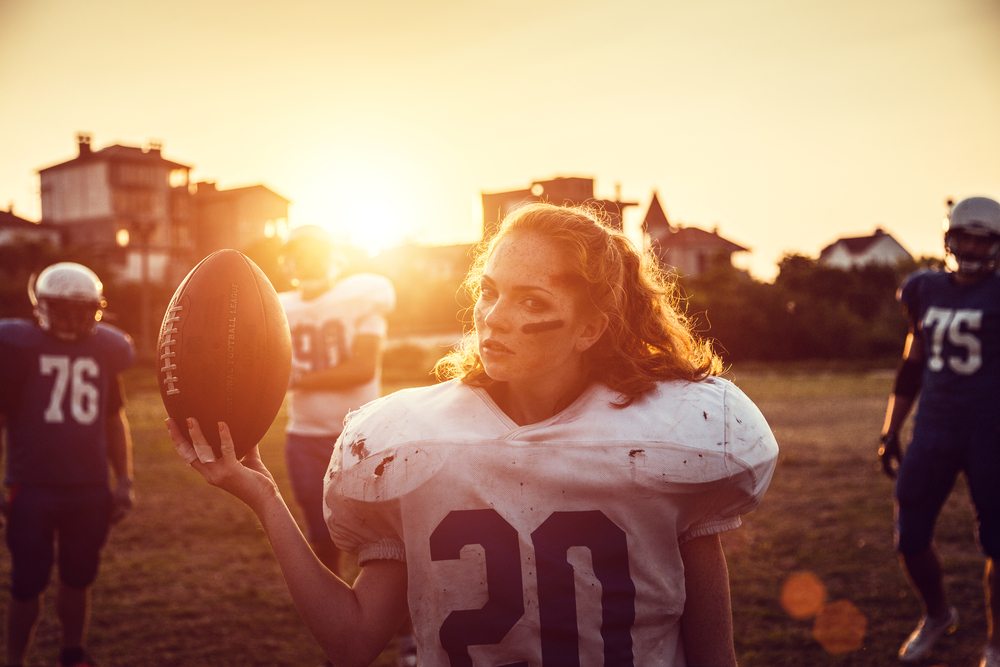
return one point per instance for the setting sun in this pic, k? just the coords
(368, 195)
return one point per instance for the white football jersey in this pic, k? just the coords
(535, 545)
(323, 332)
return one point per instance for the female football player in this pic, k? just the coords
(559, 499)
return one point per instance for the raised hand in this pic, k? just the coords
(248, 479)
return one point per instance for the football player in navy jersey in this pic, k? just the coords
(559, 499)
(951, 360)
(65, 425)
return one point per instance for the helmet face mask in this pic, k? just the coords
(68, 300)
(68, 320)
(972, 238)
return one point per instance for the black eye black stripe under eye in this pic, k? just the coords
(539, 327)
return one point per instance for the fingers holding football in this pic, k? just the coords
(252, 461)
(201, 446)
(248, 480)
(183, 446)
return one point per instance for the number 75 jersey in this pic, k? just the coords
(554, 543)
(959, 326)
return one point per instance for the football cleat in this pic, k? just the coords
(68, 300)
(972, 237)
(928, 631)
(75, 657)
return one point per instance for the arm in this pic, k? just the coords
(901, 401)
(119, 442)
(707, 621)
(357, 369)
(119, 447)
(352, 625)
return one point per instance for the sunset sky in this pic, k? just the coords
(785, 123)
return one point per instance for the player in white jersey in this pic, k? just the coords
(556, 502)
(338, 327)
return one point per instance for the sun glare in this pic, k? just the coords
(380, 222)
(371, 198)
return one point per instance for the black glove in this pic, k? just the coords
(888, 450)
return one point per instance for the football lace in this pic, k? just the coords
(166, 354)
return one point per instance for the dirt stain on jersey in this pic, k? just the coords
(357, 449)
(380, 469)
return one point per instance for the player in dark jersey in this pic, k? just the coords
(952, 361)
(62, 410)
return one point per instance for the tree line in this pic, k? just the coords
(809, 312)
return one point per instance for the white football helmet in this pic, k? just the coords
(311, 257)
(972, 237)
(68, 298)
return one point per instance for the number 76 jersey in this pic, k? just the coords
(56, 396)
(554, 543)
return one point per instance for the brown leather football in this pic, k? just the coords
(225, 351)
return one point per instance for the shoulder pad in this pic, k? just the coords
(373, 288)
(18, 332)
(117, 341)
(912, 284)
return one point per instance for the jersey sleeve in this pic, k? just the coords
(12, 364)
(751, 453)
(382, 294)
(372, 530)
(908, 291)
(373, 324)
(8, 376)
(118, 348)
(126, 352)
(379, 298)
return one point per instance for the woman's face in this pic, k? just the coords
(530, 318)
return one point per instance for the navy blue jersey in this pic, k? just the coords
(58, 396)
(960, 329)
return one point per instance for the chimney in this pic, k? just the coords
(83, 143)
(155, 146)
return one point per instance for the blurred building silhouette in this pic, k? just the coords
(138, 211)
(16, 231)
(562, 191)
(689, 251)
(879, 249)
(237, 217)
(428, 282)
(128, 205)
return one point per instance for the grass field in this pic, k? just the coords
(188, 579)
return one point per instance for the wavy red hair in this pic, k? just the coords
(648, 339)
